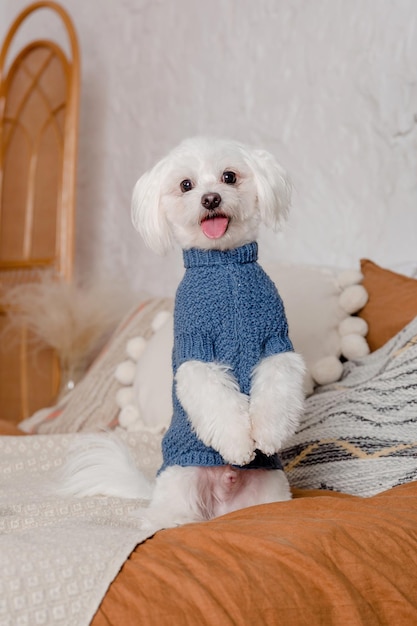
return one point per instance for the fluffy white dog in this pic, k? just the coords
(238, 385)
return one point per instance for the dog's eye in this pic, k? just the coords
(229, 178)
(186, 185)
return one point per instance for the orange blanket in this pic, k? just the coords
(320, 559)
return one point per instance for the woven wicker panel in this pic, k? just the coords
(38, 140)
(32, 155)
(29, 373)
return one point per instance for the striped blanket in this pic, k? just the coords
(359, 435)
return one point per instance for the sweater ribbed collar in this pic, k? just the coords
(196, 257)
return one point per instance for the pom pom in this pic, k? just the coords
(124, 396)
(125, 372)
(160, 320)
(138, 426)
(349, 277)
(135, 347)
(128, 416)
(353, 298)
(354, 346)
(353, 326)
(327, 370)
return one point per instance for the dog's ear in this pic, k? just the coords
(147, 214)
(273, 188)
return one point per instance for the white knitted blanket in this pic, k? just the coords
(359, 435)
(59, 555)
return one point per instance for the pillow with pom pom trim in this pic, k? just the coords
(320, 303)
(94, 403)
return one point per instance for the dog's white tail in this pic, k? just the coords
(101, 464)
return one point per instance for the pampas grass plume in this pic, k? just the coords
(73, 319)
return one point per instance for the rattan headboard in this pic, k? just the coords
(39, 94)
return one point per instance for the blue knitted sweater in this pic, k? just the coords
(227, 310)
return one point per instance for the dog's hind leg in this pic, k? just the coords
(235, 489)
(177, 499)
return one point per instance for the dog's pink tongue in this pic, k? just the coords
(215, 227)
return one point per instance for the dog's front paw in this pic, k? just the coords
(240, 450)
(266, 432)
(217, 410)
(231, 436)
(276, 400)
(274, 421)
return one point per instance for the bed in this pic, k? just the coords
(342, 551)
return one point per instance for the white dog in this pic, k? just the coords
(238, 385)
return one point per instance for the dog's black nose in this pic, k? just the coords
(211, 201)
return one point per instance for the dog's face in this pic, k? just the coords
(209, 194)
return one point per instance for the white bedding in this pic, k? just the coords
(58, 554)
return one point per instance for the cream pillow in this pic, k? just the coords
(319, 303)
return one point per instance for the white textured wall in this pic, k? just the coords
(329, 86)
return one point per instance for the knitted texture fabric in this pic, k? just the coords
(359, 435)
(228, 311)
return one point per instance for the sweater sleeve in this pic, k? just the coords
(193, 329)
(278, 340)
(277, 343)
(193, 347)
